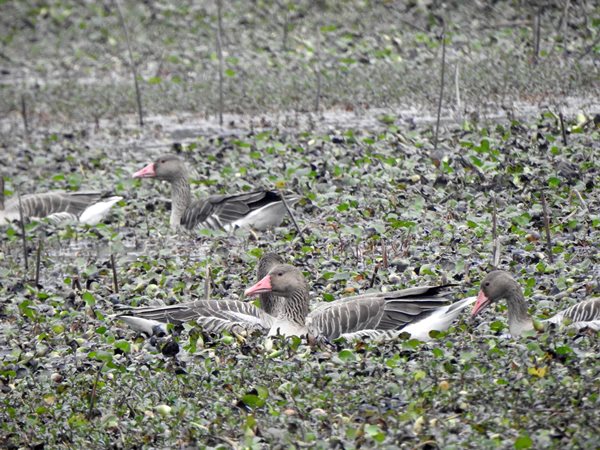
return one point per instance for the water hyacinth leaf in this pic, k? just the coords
(564, 350)
(256, 398)
(375, 433)
(347, 355)
(101, 355)
(124, 346)
(419, 375)
(523, 442)
(88, 298)
(26, 310)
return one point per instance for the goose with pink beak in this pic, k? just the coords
(256, 210)
(385, 315)
(499, 284)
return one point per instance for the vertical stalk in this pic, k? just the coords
(38, 259)
(23, 237)
(114, 273)
(220, 55)
(442, 76)
(547, 228)
(318, 69)
(24, 114)
(138, 94)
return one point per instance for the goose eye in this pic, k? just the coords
(487, 283)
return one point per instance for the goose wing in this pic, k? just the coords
(212, 315)
(378, 311)
(60, 206)
(221, 211)
(583, 314)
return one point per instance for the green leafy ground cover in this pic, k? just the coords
(380, 209)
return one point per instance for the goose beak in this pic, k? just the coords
(146, 172)
(482, 302)
(262, 286)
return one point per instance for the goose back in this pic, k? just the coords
(380, 311)
(258, 210)
(59, 206)
(581, 315)
(212, 315)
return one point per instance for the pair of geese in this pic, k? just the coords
(285, 309)
(257, 210)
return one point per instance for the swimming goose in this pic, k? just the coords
(86, 207)
(417, 310)
(499, 284)
(257, 210)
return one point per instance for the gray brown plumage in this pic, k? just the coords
(499, 284)
(258, 210)
(415, 310)
(86, 207)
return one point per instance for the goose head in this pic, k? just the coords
(267, 262)
(497, 285)
(166, 167)
(282, 280)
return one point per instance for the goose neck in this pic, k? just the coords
(296, 306)
(519, 319)
(180, 199)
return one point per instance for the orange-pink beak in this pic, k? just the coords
(262, 286)
(147, 172)
(482, 302)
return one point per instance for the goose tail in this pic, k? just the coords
(93, 214)
(440, 319)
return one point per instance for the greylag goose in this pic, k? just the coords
(257, 210)
(499, 284)
(417, 310)
(86, 207)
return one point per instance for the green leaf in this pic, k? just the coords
(101, 355)
(230, 73)
(564, 350)
(88, 298)
(123, 345)
(523, 441)
(347, 355)
(375, 433)
(256, 400)
(419, 374)
(26, 310)
(553, 182)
